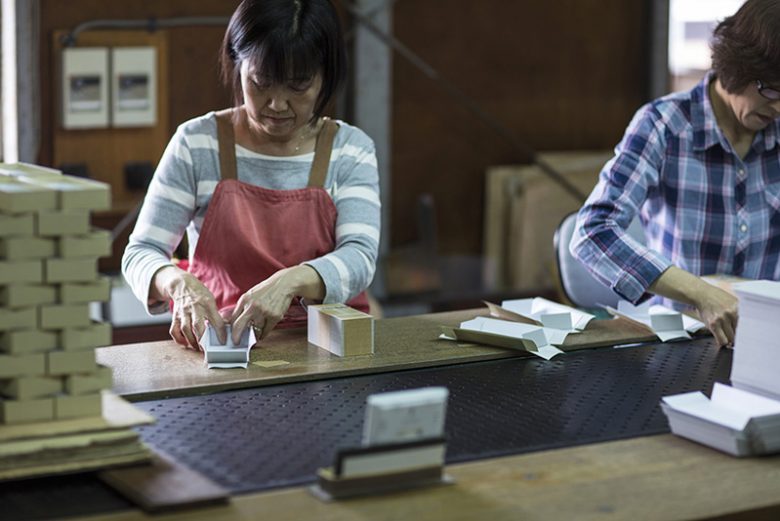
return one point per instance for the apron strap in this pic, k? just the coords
(227, 144)
(322, 150)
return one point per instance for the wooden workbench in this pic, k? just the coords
(654, 477)
(164, 369)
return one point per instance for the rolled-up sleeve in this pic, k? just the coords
(600, 240)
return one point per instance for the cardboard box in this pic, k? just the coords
(62, 222)
(70, 270)
(14, 272)
(23, 411)
(70, 362)
(340, 329)
(17, 225)
(61, 316)
(26, 341)
(523, 208)
(82, 293)
(12, 366)
(96, 243)
(26, 295)
(31, 387)
(18, 197)
(13, 319)
(25, 248)
(98, 334)
(77, 384)
(77, 406)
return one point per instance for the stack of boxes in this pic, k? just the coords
(48, 277)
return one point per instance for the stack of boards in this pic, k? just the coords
(51, 388)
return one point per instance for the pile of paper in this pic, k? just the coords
(745, 419)
(756, 365)
(734, 421)
(340, 329)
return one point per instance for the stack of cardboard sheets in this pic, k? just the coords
(48, 278)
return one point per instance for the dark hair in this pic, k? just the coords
(284, 40)
(746, 46)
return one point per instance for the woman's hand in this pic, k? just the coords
(716, 308)
(193, 305)
(263, 306)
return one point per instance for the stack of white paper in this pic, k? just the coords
(756, 365)
(743, 420)
(734, 421)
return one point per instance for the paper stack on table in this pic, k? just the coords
(48, 277)
(756, 365)
(734, 421)
(666, 323)
(743, 420)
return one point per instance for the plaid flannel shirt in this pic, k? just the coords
(703, 208)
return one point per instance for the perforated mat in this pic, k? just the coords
(256, 439)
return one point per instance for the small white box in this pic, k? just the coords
(227, 355)
(134, 86)
(85, 87)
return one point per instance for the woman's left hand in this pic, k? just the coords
(263, 306)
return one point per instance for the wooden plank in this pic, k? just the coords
(655, 477)
(164, 484)
(157, 369)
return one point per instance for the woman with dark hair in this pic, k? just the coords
(701, 169)
(279, 202)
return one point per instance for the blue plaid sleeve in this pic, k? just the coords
(600, 240)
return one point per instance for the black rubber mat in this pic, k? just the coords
(256, 439)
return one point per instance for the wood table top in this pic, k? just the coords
(653, 477)
(164, 369)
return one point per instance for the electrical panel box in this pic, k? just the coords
(134, 86)
(85, 87)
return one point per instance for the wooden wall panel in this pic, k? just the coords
(194, 87)
(562, 74)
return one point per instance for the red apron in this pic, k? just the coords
(249, 233)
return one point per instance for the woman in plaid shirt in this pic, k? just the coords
(701, 170)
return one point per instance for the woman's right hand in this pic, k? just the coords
(193, 306)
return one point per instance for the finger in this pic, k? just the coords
(720, 337)
(729, 332)
(270, 324)
(175, 332)
(243, 321)
(186, 330)
(238, 309)
(216, 321)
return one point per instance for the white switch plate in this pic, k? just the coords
(85, 87)
(134, 86)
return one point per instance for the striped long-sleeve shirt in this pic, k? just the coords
(703, 208)
(188, 173)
